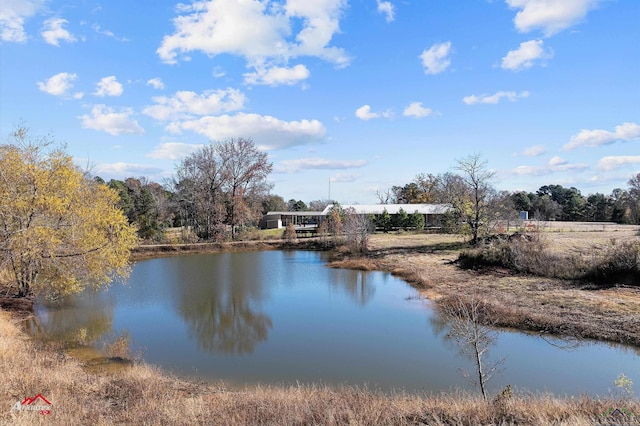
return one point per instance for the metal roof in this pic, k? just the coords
(301, 213)
(393, 208)
(374, 209)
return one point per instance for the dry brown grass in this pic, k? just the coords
(143, 395)
(525, 302)
(140, 394)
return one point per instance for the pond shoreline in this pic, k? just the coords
(527, 303)
(151, 251)
(143, 394)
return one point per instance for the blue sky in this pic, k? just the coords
(364, 94)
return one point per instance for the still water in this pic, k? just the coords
(282, 317)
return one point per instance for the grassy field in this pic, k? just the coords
(141, 394)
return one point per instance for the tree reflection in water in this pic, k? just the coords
(220, 302)
(73, 322)
(354, 283)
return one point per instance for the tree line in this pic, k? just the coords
(217, 190)
(549, 202)
(62, 229)
(222, 188)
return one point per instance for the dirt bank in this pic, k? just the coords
(150, 251)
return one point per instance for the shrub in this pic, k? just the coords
(616, 263)
(289, 233)
(529, 254)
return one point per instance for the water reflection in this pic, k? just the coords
(284, 318)
(355, 284)
(77, 321)
(221, 303)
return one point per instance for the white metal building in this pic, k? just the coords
(309, 219)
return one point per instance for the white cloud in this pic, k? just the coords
(59, 84)
(260, 31)
(495, 98)
(108, 86)
(615, 162)
(551, 16)
(624, 133)
(436, 59)
(13, 14)
(365, 113)
(526, 170)
(267, 132)
(218, 72)
(107, 33)
(123, 170)
(276, 76)
(52, 31)
(533, 151)
(109, 120)
(415, 109)
(557, 161)
(386, 8)
(156, 83)
(546, 170)
(555, 165)
(292, 166)
(525, 55)
(174, 151)
(187, 105)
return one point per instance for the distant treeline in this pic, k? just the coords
(549, 202)
(216, 191)
(222, 189)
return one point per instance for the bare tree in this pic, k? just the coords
(334, 223)
(452, 190)
(357, 228)
(222, 184)
(474, 202)
(634, 186)
(501, 212)
(319, 205)
(245, 170)
(428, 184)
(384, 197)
(199, 194)
(634, 198)
(467, 319)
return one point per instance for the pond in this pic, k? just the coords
(283, 317)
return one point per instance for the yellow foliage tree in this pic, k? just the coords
(59, 231)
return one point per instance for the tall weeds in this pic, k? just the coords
(608, 265)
